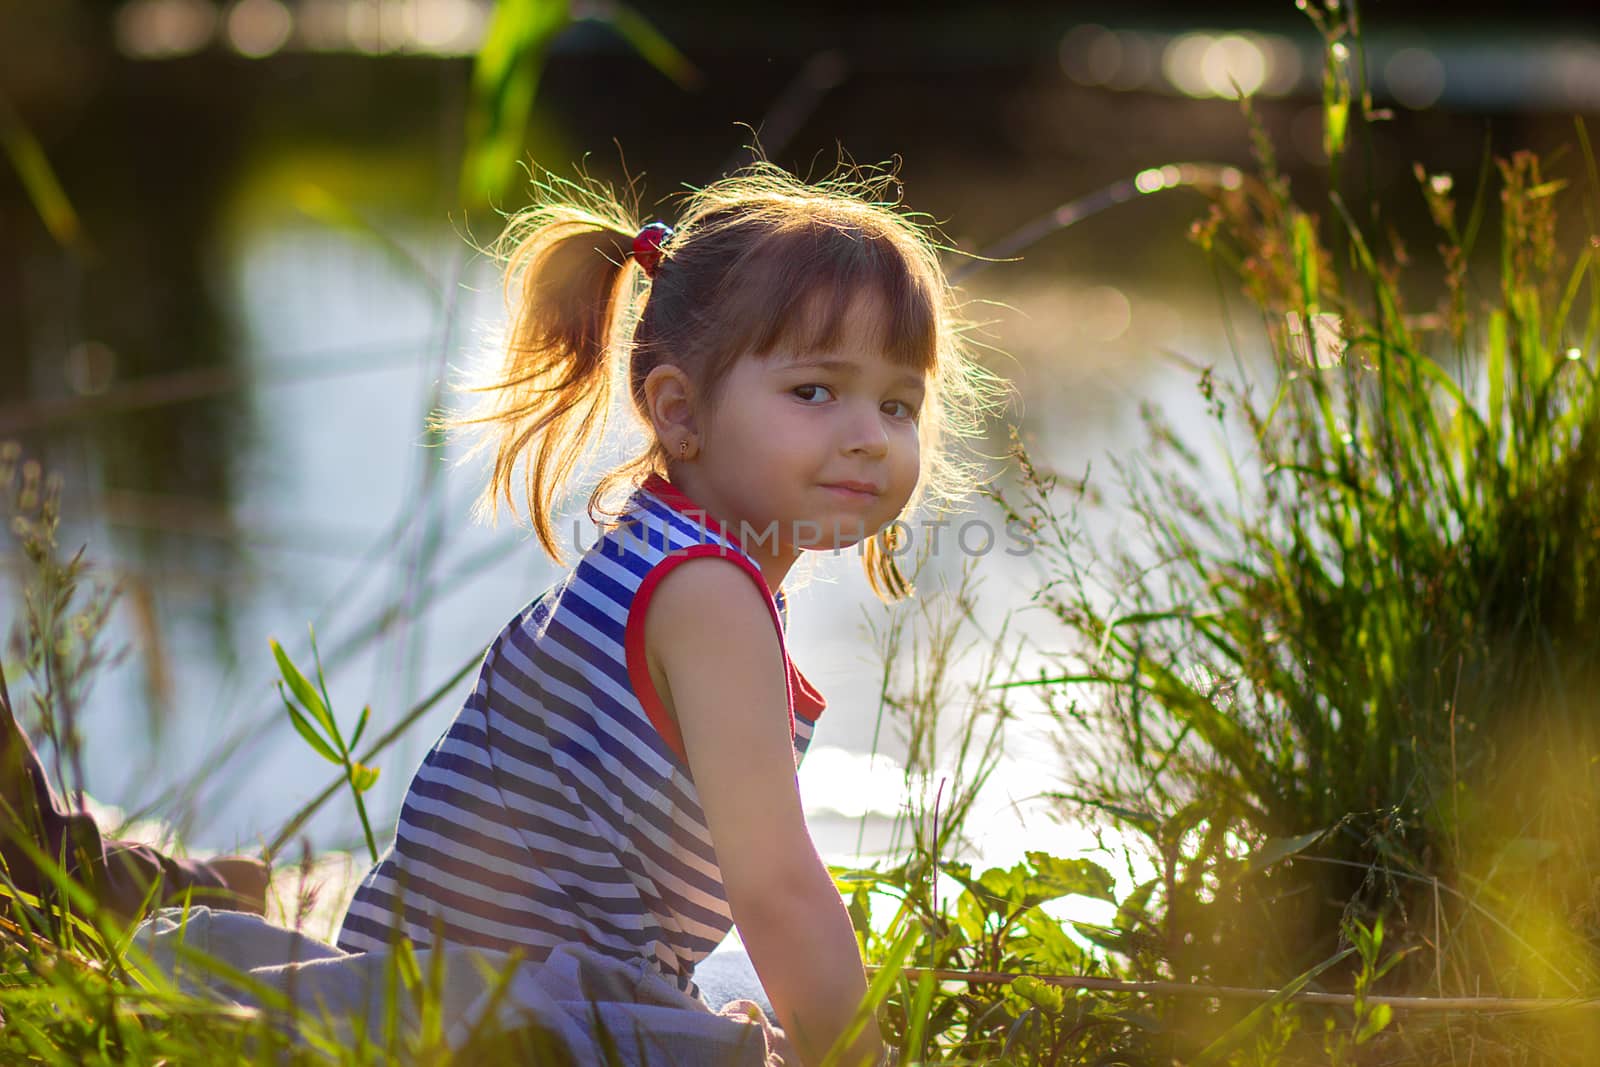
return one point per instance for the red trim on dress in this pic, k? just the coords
(810, 697)
(808, 701)
(633, 639)
(680, 502)
(801, 696)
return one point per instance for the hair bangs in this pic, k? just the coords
(816, 287)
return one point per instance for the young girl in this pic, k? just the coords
(623, 773)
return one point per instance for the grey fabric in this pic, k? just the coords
(728, 975)
(593, 1008)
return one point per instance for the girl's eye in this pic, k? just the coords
(904, 410)
(800, 391)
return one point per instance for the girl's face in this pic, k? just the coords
(821, 445)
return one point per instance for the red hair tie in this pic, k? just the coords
(647, 246)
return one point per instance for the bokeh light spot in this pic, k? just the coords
(162, 29)
(1183, 63)
(1415, 77)
(1233, 66)
(1105, 313)
(258, 28)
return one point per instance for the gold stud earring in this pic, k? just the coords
(683, 448)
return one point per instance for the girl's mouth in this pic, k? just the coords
(856, 491)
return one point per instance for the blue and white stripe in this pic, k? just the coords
(552, 810)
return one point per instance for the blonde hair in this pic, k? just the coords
(753, 259)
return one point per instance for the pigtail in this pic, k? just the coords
(879, 557)
(567, 283)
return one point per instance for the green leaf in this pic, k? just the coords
(1134, 911)
(38, 178)
(405, 963)
(1079, 877)
(1143, 1020)
(1277, 849)
(305, 730)
(961, 874)
(301, 687)
(1569, 295)
(505, 78)
(1336, 118)
(998, 886)
(917, 1017)
(860, 909)
(1047, 946)
(1378, 1018)
(1221, 731)
(853, 877)
(1038, 993)
(1186, 818)
(1305, 255)
(1497, 371)
(361, 727)
(971, 916)
(362, 777)
(1144, 821)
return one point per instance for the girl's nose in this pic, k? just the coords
(866, 435)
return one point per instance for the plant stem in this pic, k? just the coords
(361, 809)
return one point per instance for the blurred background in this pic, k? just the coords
(226, 324)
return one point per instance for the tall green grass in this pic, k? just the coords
(1352, 670)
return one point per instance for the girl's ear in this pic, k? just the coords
(670, 401)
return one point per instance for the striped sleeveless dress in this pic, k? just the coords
(558, 806)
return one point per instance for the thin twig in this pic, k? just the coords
(1204, 176)
(793, 107)
(1216, 992)
(185, 386)
(5, 700)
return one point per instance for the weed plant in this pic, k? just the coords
(1355, 679)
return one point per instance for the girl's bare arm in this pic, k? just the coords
(711, 633)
